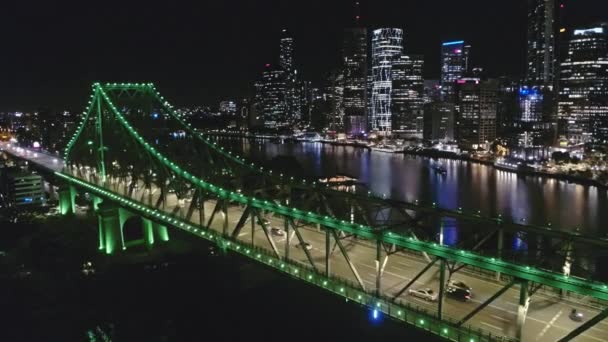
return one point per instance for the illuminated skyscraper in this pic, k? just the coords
(293, 104)
(407, 97)
(454, 66)
(583, 97)
(354, 59)
(386, 46)
(541, 42)
(476, 108)
(270, 97)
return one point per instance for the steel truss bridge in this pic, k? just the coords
(137, 157)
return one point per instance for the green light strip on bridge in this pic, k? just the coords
(444, 328)
(594, 289)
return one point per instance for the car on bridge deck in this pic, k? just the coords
(459, 284)
(458, 293)
(264, 222)
(426, 294)
(306, 245)
(277, 232)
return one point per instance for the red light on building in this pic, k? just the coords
(267, 65)
(561, 6)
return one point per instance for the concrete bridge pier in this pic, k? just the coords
(67, 200)
(522, 308)
(112, 221)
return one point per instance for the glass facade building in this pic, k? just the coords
(454, 66)
(407, 104)
(354, 64)
(476, 109)
(386, 47)
(583, 96)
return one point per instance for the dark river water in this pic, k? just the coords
(472, 186)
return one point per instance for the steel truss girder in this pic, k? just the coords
(411, 282)
(487, 302)
(301, 240)
(267, 233)
(241, 223)
(348, 261)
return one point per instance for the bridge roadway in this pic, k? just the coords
(547, 318)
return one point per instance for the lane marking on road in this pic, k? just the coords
(500, 318)
(397, 275)
(549, 325)
(242, 234)
(492, 326)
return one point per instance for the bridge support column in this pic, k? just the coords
(441, 287)
(110, 232)
(499, 249)
(148, 228)
(161, 232)
(287, 240)
(327, 252)
(522, 309)
(225, 214)
(67, 200)
(567, 265)
(379, 267)
(96, 202)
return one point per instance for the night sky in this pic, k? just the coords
(201, 52)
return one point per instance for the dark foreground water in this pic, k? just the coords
(180, 293)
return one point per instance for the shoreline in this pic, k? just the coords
(435, 154)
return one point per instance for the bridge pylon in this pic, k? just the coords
(112, 221)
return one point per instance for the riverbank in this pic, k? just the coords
(431, 153)
(524, 172)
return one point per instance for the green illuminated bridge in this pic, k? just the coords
(137, 158)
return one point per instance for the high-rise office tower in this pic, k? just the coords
(454, 66)
(270, 97)
(536, 122)
(292, 96)
(583, 96)
(476, 109)
(439, 121)
(354, 80)
(386, 46)
(354, 64)
(407, 96)
(541, 43)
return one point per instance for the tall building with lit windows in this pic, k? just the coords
(583, 96)
(541, 43)
(454, 66)
(386, 46)
(536, 125)
(270, 97)
(475, 112)
(293, 105)
(407, 105)
(354, 64)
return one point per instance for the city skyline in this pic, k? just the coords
(44, 71)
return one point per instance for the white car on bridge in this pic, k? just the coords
(426, 294)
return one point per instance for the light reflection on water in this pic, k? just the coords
(471, 186)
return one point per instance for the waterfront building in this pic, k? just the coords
(407, 96)
(583, 96)
(386, 47)
(454, 66)
(475, 112)
(354, 64)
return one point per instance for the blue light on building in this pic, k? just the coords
(453, 43)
